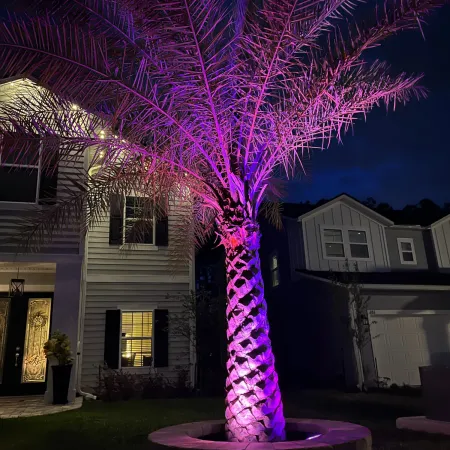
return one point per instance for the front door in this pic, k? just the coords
(24, 328)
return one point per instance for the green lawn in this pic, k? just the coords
(125, 425)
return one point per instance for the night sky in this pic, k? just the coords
(397, 157)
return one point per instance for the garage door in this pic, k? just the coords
(402, 342)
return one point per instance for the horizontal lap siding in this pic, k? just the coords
(118, 269)
(66, 241)
(105, 259)
(103, 296)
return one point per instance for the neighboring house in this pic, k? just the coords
(113, 298)
(402, 276)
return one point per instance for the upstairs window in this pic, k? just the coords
(341, 243)
(19, 177)
(358, 244)
(275, 271)
(406, 251)
(334, 243)
(137, 337)
(129, 223)
(138, 230)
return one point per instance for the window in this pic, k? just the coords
(406, 250)
(334, 243)
(358, 244)
(137, 337)
(341, 243)
(138, 230)
(275, 271)
(19, 180)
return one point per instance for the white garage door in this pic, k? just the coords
(404, 341)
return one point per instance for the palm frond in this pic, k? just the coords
(202, 100)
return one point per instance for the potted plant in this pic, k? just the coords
(58, 348)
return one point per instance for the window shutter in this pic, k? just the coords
(161, 338)
(116, 220)
(49, 178)
(162, 231)
(112, 338)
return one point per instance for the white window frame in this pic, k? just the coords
(140, 245)
(346, 242)
(137, 309)
(400, 241)
(38, 181)
(324, 242)
(274, 270)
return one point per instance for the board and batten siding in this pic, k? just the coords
(341, 215)
(137, 278)
(441, 238)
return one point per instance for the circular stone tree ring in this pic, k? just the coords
(323, 434)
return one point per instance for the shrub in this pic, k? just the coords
(116, 385)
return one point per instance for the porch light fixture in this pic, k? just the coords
(16, 286)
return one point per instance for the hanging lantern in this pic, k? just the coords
(16, 286)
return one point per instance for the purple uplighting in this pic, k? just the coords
(204, 108)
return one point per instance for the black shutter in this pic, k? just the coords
(112, 338)
(116, 220)
(162, 230)
(49, 178)
(161, 337)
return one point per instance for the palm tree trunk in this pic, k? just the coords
(254, 410)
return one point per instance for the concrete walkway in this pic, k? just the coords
(13, 407)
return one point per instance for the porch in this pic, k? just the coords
(49, 301)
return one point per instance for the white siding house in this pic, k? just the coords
(138, 278)
(51, 276)
(440, 231)
(114, 301)
(404, 281)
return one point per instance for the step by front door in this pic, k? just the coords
(24, 328)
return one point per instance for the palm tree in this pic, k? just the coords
(209, 101)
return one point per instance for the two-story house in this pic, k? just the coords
(112, 297)
(402, 277)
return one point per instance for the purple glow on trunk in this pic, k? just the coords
(254, 410)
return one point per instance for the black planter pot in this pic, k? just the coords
(61, 380)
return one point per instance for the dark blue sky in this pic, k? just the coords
(398, 157)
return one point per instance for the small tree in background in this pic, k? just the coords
(200, 323)
(205, 102)
(357, 320)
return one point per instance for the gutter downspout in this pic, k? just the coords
(81, 312)
(82, 308)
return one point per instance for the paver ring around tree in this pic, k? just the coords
(301, 434)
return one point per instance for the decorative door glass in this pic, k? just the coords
(4, 307)
(37, 331)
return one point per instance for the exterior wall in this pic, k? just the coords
(142, 277)
(441, 238)
(65, 317)
(341, 215)
(13, 214)
(417, 235)
(415, 301)
(296, 246)
(311, 343)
